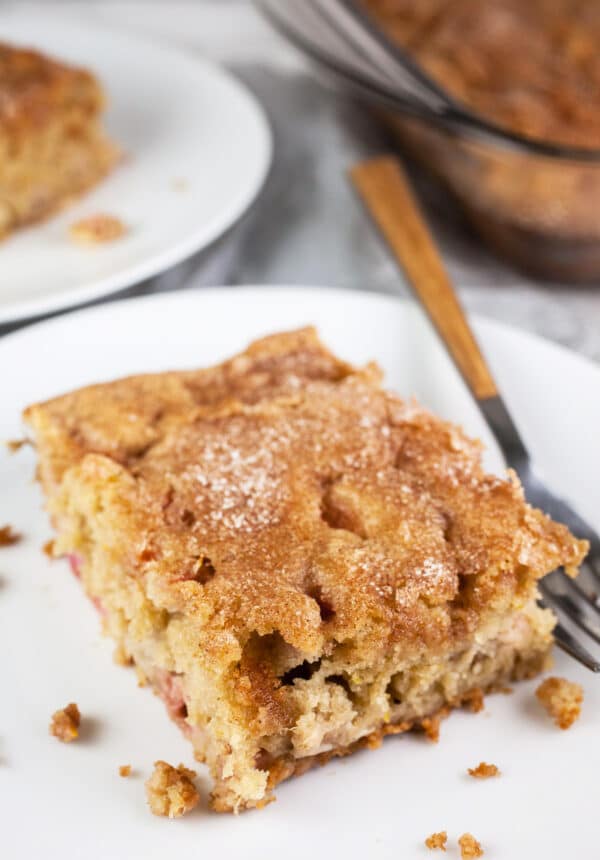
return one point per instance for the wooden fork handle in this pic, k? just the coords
(387, 195)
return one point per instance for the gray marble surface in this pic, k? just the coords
(307, 227)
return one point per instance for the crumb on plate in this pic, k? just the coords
(483, 770)
(180, 184)
(15, 445)
(95, 229)
(65, 723)
(170, 790)
(437, 841)
(48, 548)
(470, 848)
(8, 536)
(561, 699)
(125, 770)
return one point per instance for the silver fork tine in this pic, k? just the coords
(571, 646)
(573, 608)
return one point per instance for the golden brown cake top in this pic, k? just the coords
(285, 501)
(35, 89)
(529, 66)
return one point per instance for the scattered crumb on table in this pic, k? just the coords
(48, 548)
(65, 723)
(170, 790)
(125, 770)
(483, 770)
(96, 229)
(437, 841)
(561, 699)
(8, 536)
(470, 848)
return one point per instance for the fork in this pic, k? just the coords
(385, 190)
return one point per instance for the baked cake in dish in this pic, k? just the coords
(52, 147)
(298, 561)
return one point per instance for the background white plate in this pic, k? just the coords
(68, 801)
(197, 148)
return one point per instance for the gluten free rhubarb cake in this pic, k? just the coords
(298, 561)
(52, 146)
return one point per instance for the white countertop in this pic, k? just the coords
(307, 228)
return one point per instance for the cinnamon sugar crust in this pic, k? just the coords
(295, 555)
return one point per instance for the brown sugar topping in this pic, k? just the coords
(8, 536)
(170, 791)
(483, 771)
(65, 723)
(561, 699)
(437, 841)
(470, 848)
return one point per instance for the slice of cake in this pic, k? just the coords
(297, 560)
(52, 147)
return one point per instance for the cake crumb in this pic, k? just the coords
(483, 770)
(15, 445)
(121, 657)
(96, 229)
(170, 790)
(125, 770)
(65, 723)
(8, 536)
(561, 699)
(48, 548)
(470, 848)
(437, 841)
(180, 184)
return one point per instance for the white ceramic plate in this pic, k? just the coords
(62, 801)
(197, 148)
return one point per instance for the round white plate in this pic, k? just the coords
(62, 801)
(197, 149)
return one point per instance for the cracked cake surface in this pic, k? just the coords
(299, 561)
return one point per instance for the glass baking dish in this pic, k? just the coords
(537, 205)
(534, 202)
